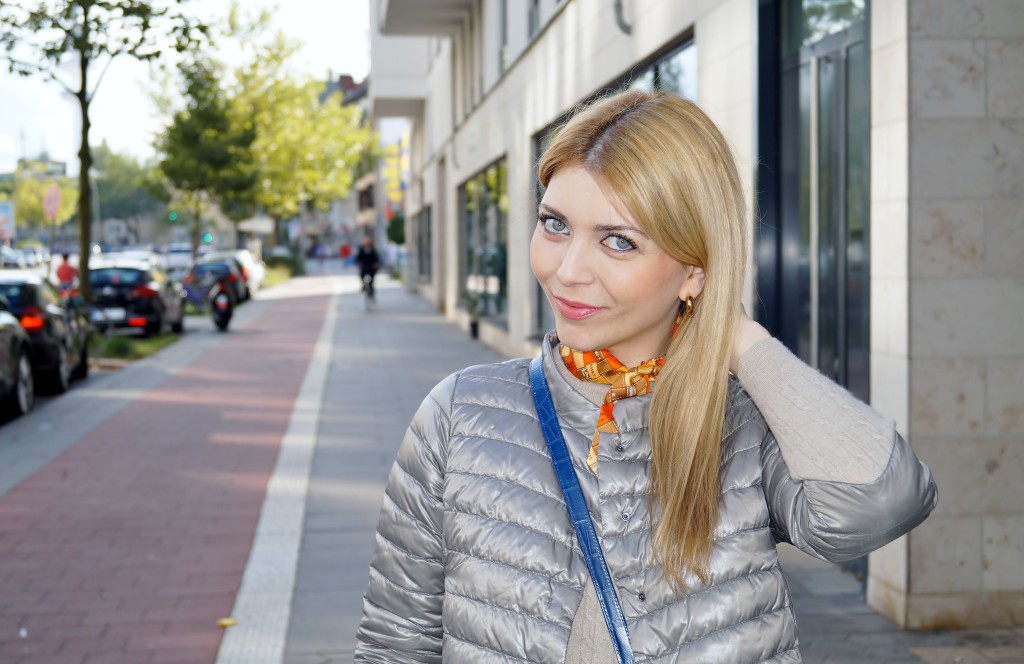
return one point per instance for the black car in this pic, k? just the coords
(58, 328)
(132, 294)
(214, 267)
(17, 393)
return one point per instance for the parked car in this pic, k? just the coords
(214, 268)
(58, 328)
(17, 391)
(178, 258)
(253, 269)
(133, 294)
(11, 257)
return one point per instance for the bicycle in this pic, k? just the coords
(369, 296)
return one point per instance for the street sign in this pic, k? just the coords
(51, 202)
(6, 220)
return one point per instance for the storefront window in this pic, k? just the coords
(424, 241)
(483, 201)
(674, 73)
(808, 21)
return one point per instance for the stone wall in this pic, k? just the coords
(965, 317)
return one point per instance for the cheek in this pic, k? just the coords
(540, 256)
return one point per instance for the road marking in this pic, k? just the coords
(263, 605)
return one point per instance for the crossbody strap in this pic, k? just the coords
(577, 506)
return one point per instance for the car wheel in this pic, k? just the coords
(156, 327)
(23, 396)
(179, 325)
(60, 380)
(82, 368)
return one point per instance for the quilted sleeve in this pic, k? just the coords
(403, 601)
(838, 521)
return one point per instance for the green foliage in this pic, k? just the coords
(294, 265)
(207, 149)
(396, 229)
(124, 185)
(42, 37)
(121, 347)
(306, 152)
(28, 190)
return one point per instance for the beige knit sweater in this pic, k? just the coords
(811, 418)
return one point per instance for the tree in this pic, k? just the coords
(207, 149)
(30, 187)
(124, 184)
(306, 153)
(39, 36)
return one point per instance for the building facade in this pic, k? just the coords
(882, 148)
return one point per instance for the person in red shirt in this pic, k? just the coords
(66, 272)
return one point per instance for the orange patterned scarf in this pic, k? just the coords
(600, 366)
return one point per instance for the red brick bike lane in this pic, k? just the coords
(129, 546)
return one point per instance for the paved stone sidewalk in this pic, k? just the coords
(124, 542)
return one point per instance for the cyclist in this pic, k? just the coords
(369, 262)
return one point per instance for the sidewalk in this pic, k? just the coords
(383, 364)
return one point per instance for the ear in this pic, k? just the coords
(693, 285)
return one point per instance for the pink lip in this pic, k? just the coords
(575, 310)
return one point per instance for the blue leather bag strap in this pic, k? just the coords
(577, 506)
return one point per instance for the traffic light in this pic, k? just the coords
(172, 216)
(207, 237)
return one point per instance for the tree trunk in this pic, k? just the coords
(84, 184)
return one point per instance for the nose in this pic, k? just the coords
(575, 267)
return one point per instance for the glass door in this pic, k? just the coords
(823, 205)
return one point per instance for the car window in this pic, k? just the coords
(203, 269)
(16, 294)
(117, 276)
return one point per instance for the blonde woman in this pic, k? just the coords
(696, 441)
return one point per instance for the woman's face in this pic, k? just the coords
(609, 284)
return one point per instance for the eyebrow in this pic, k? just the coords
(604, 228)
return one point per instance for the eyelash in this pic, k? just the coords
(544, 219)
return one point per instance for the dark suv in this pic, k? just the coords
(134, 295)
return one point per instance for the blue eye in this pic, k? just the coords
(619, 243)
(553, 225)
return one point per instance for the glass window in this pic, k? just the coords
(808, 21)
(545, 317)
(17, 294)
(424, 241)
(483, 201)
(117, 276)
(674, 73)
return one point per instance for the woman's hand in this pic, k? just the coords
(748, 333)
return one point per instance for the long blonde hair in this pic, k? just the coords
(669, 167)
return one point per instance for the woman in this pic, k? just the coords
(698, 440)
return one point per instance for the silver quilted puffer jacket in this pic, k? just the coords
(476, 557)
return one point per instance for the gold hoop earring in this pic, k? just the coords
(688, 307)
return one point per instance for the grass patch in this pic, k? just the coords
(276, 274)
(121, 347)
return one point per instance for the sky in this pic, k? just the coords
(37, 115)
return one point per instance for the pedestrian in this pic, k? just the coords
(696, 441)
(66, 272)
(369, 262)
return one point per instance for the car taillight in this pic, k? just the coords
(245, 274)
(145, 291)
(232, 278)
(33, 319)
(136, 322)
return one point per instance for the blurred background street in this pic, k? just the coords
(174, 493)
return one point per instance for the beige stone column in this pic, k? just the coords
(948, 300)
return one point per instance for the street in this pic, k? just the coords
(216, 503)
